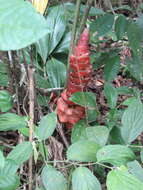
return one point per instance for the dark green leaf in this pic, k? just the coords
(121, 179)
(53, 179)
(132, 122)
(24, 25)
(41, 82)
(141, 154)
(56, 21)
(83, 179)
(135, 66)
(11, 121)
(21, 153)
(5, 101)
(103, 24)
(111, 68)
(111, 95)
(83, 150)
(56, 71)
(47, 126)
(120, 26)
(115, 154)
(134, 33)
(87, 99)
(4, 79)
(64, 43)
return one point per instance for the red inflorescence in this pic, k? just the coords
(79, 76)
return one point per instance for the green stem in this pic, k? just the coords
(84, 18)
(73, 35)
(75, 25)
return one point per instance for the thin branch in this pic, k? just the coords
(31, 120)
(46, 91)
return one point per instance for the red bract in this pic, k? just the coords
(79, 76)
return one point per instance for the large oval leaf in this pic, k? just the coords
(47, 126)
(20, 25)
(11, 121)
(132, 122)
(115, 154)
(9, 182)
(21, 153)
(10, 167)
(53, 179)
(84, 151)
(83, 179)
(103, 24)
(99, 134)
(121, 179)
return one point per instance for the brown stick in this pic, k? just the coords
(31, 121)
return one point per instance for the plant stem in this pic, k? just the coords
(84, 18)
(31, 120)
(74, 26)
(73, 36)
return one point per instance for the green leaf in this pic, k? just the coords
(78, 131)
(129, 101)
(53, 179)
(115, 154)
(120, 179)
(132, 122)
(4, 79)
(87, 99)
(10, 167)
(2, 160)
(56, 21)
(5, 101)
(111, 95)
(83, 150)
(134, 34)
(21, 153)
(9, 182)
(136, 169)
(99, 134)
(135, 67)
(56, 71)
(83, 179)
(122, 90)
(41, 82)
(11, 121)
(64, 43)
(141, 154)
(47, 126)
(103, 24)
(111, 68)
(24, 25)
(121, 26)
